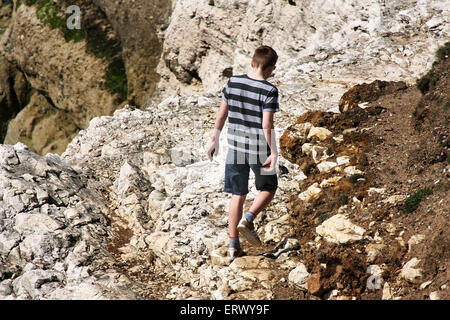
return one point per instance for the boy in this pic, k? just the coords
(249, 102)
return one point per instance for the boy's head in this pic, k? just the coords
(264, 57)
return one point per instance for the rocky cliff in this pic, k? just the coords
(133, 210)
(82, 73)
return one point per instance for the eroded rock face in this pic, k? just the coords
(324, 47)
(42, 127)
(62, 69)
(138, 25)
(14, 93)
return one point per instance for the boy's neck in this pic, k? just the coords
(256, 74)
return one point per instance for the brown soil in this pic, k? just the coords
(394, 146)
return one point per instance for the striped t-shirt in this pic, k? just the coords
(247, 99)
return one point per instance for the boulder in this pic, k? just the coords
(339, 229)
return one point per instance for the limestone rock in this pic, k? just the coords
(339, 229)
(415, 239)
(387, 294)
(313, 41)
(321, 133)
(311, 193)
(299, 277)
(326, 166)
(50, 225)
(409, 270)
(330, 182)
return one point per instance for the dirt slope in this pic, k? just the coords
(396, 137)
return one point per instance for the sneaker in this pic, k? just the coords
(247, 230)
(234, 253)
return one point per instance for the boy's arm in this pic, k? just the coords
(221, 117)
(269, 133)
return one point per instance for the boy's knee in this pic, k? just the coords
(270, 193)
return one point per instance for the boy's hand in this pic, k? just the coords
(269, 164)
(212, 150)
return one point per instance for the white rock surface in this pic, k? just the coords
(299, 277)
(324, 46)
(339, 229)
(409, 270)
(51, 225)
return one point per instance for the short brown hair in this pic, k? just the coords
(264, 57)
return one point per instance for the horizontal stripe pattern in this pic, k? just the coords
(247, 99)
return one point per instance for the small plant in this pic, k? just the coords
(412, 202)
(446, 107)
(323, 217)
(431, 77)
(343, 198)
(329, 151)
(49, 14)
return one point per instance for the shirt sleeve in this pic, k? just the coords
(271, 104)
(225, 92)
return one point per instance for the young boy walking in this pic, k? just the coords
(249, 101)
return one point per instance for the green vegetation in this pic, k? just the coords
(428, 80)
(432, 77)
(116, 78)
(343, 198)
(323, 217)
(329, 151)
(412, 202)
(51, 14)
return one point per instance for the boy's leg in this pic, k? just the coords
(261, 201)
(267, 184)
(235, 214)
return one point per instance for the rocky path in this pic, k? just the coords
(133, 210)
(160, 217)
